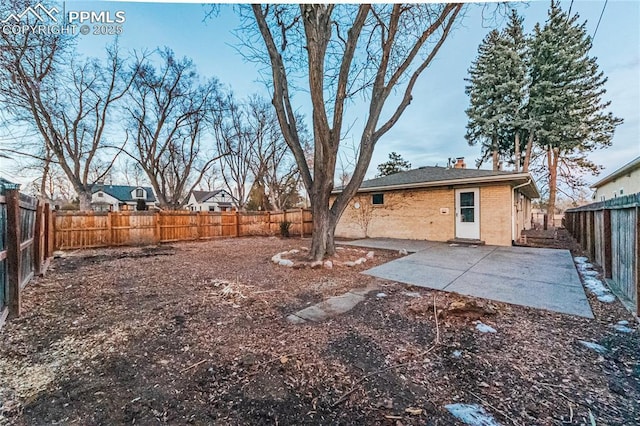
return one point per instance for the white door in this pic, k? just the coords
(468, 213)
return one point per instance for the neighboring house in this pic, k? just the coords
(115, 198)
(442, 204)
(624, 181)
(210, 201)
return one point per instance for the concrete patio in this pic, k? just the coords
(534, 277)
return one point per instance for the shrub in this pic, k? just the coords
(284, 228)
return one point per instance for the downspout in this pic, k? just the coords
(515, 210)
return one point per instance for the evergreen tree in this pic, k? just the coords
(566, 99)
(395, 164)
(497, 91)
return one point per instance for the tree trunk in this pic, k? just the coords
(85, 199)
(517, 152)
(324, 225)
(552, 163)
(494, 154)
(45, 178)
(527, 154)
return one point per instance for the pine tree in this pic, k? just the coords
(566, 99)
(497, 91)
(395, 164)
(482, 113)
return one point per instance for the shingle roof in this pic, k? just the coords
(203, 196)
(428, 174)
(437, 176)
(123, 192)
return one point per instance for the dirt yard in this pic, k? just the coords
(195, 333)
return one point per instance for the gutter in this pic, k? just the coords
(524, 184)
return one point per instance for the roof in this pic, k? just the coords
(6, 184)
(627, 168)
(441, 176)
(123, 192)
(203, 196)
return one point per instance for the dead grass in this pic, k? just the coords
(195, 333)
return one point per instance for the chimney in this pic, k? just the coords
(460, 164)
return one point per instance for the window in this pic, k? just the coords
(212, 209)
(139, 193)
(467, 206)
(377, 199)
(621, 191)
(100, 194)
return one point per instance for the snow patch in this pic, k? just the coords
(580, 259)
(381, 295)
(593, 346)
(598, 289)
(412, 294)
(285, 262)
(607, 298)
(484, 328)
(623, 328)
(471, 414)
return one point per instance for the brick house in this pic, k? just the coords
(442, 204)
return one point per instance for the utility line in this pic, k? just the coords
(599, 19)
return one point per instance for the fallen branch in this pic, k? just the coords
(193, 365)
(435, 315)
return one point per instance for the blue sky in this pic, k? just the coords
(432, 129)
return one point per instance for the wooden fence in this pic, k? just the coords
(610, 232)
(26, 245)
(78, 230)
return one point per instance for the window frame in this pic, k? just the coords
(374, 199)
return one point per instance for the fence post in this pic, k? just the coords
(12, 198)
(49, 232)
(268, 222)
(157, 230)
(636, 279)
(200, 224)
(237, 223)
(607, 243)
(592, 234)
(110, 228)
(37, 240)
(301, 222)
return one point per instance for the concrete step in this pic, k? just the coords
(466, 241)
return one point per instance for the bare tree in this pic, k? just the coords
(68, 102)
(168, 113)
(272, 165)
(232, 135)
(344, 49)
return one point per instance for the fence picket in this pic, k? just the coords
(612, 240)
(134, 228)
